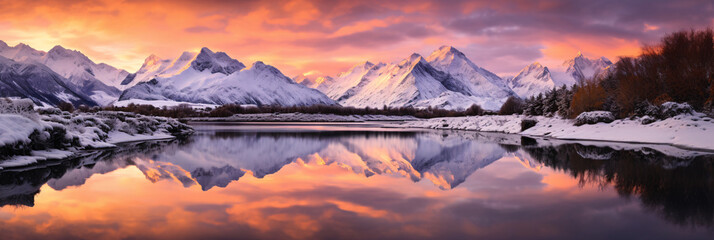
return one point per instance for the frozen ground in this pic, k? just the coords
(685, 130)
(30, 138)
(303, 117)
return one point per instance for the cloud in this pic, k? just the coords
(305, 35)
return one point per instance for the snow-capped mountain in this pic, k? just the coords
(312, 79)
(156, 67)
(346, 84)
(411, 82)
(531, 80)
(480, 82)
(215, 78)
(446, 80)
(30, 79)
(535, 78)
(581, 68)
(91, 79)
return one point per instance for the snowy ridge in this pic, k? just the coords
(312, 79)
(532, 80)
(29, 79)
(446, 80)
(479, 82)
(94, 80)
(581, 68)
(214, 78)
(535, 79)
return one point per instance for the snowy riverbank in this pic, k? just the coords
(302, 117)
(27, 138)
(686, 130)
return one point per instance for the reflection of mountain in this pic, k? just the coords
(215, 160)
(19, 186)
(680, 190)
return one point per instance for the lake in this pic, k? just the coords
(361, 181)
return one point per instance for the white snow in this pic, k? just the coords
(531, 81)
(75, 132)
(215, 78)
(535, 79)
(689, 131)
(77, 68)
(447, 79)
(594, 117)
(16, 128)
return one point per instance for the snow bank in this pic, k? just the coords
(303, 117)
(58, 135)
(594, 117)
(16, 128)
(685, 130)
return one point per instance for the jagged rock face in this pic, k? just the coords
(215, 78)
(37, 82)
(217, 62)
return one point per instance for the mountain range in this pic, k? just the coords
(447, 79)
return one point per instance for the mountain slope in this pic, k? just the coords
(91, 79)
(448, 80)
(312, 79)
(535, 78)
(215, 78)
(581, 68)
(28, 79)
(479, 82)
(531, 80)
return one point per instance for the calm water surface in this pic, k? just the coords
(354, 181)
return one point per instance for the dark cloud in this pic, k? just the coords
(619, 19)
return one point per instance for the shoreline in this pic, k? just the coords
(692, 132)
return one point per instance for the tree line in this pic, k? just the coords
(680, 68)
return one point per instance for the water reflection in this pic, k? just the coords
(680, 189)
(268, 182)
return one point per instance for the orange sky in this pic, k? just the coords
(329, 36)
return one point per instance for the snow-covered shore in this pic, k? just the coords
(302, 117)
(27, 138)
(694, 131)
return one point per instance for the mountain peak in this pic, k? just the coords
(3, 44)
(152, 60)
(218, 62)
(446, 52)
(59, 51)
(205, 50)
(449, 50)
(415, 56)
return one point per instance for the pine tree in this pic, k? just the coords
(565, 96)
(550, 103)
